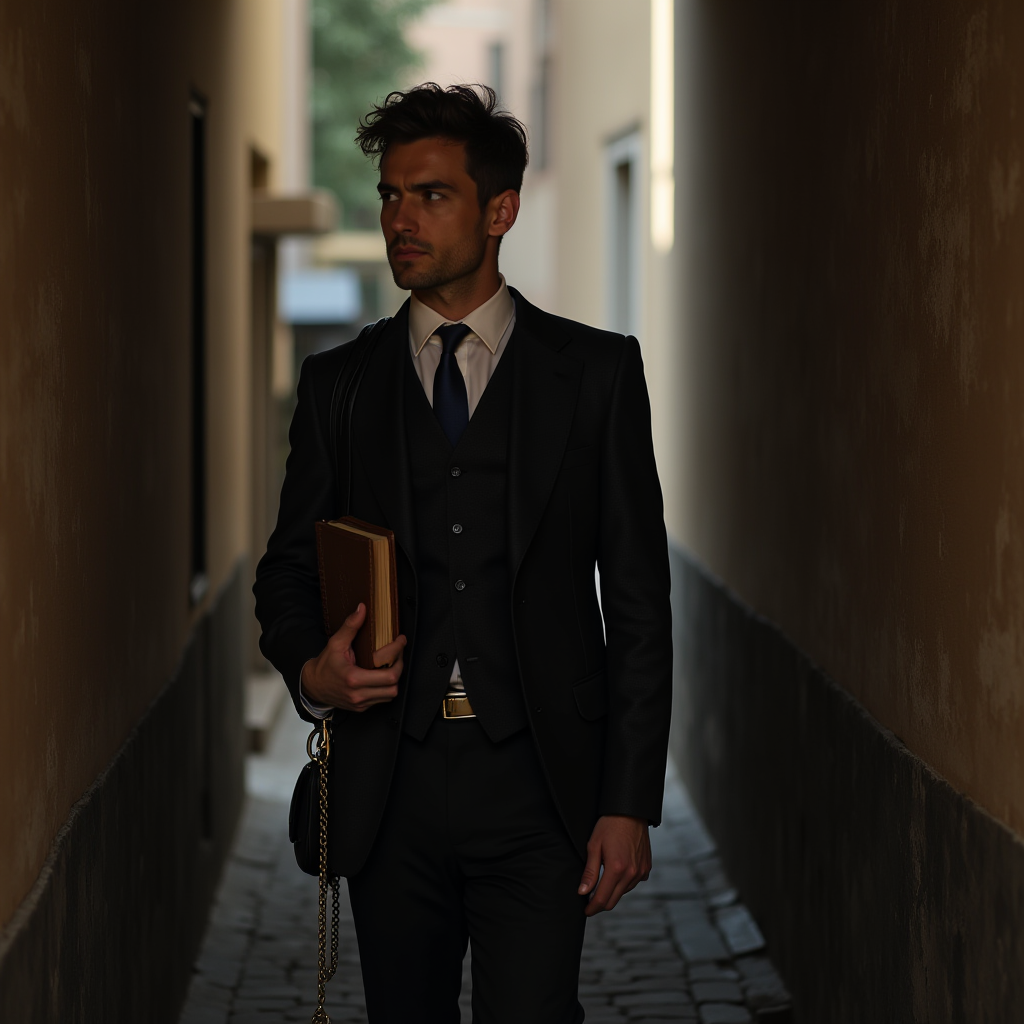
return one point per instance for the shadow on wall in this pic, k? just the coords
(884, 894)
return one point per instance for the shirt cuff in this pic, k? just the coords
(320, 711)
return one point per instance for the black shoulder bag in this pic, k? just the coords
(307, 815)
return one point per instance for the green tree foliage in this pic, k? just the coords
(359, 55)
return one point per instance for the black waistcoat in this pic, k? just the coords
(464, 589)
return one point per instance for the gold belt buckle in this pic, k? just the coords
(456, 705)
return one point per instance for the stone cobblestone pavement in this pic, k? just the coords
(680, 947)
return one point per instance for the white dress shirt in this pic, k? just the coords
(491, 325)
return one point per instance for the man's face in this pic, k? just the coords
(434, 228)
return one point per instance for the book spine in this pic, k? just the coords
(370, 624)
(394, 586)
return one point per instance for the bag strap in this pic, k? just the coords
(343, 401)
(320, 756)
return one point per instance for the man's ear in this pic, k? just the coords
(503, 210)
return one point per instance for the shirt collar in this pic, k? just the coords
(488, 321)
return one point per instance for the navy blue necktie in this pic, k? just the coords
(451, 405)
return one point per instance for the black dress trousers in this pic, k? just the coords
(470, 849)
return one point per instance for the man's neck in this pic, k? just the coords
(458, 299)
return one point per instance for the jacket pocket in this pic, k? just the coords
(591, 696)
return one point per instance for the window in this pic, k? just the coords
(541, 113)
(496, 67)
(623, 233)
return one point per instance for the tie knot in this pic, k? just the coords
(451, 335)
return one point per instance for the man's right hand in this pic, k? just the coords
(333, 678)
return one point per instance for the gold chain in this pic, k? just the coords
(334, 926)
(324, 974)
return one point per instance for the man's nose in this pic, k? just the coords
(402, 220)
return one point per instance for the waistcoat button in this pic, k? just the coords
(442, 660)
(460, 584)
(456, 471)
(457, 528)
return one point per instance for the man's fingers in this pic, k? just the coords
(347, 633)
(623, 845)
(592, 870)
(601, 895)
(624, 884)
(616, 881)
(390, 653)
(360, 677)
(366, 687)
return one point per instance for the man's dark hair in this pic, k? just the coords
(495, 141)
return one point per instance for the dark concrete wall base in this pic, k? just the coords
(885, 895)
(110, 929)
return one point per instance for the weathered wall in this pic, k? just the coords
(94, 373)
(849, 692)
(109, 929)
(886, 895)
(852, 320)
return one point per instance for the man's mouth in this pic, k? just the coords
(406, 252)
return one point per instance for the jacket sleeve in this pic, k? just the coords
(287, 587)
(635, 585)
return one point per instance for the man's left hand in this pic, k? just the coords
(623, 846)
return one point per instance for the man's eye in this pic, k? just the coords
(434, 196)
(388, 197)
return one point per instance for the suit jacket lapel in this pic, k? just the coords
(379, 435)
(546, 386)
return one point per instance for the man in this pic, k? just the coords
(496, 783)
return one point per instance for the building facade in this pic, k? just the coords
(132, 372)
(849, 567)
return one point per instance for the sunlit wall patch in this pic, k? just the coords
(663, 186)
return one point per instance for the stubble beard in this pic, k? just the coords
(447, 267)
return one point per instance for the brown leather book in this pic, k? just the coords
(357, 563)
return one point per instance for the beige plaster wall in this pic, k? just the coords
(94, 370)
(454, 39)
(852, 323)
(602, 90)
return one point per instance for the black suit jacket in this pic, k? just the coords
(583, 488)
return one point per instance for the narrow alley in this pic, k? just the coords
(680, 947)
(755, 277)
